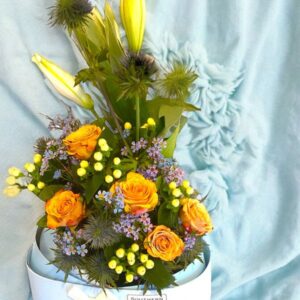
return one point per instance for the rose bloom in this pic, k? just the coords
(194, 216)
(140, 194)
(82, 142)
(64, 209)
(163, 243)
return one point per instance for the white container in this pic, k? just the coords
(47, 283)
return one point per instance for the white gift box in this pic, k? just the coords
(47, 283)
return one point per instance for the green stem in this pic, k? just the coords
(102, 89)
(138, 117)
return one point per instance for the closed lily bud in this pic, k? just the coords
(133, 14)
(63, 82)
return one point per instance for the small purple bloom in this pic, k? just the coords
(57, 174)
(189, 241)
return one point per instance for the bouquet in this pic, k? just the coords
(120, 208)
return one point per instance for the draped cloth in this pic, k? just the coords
(241, 149)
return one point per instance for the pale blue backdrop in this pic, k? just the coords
(243, 148)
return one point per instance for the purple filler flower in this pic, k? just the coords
(132, 225)
(189, 241)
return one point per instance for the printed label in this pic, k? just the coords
(150, 297)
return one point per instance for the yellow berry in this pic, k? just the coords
(104, 148)
(185, 184)
(172, 185)
(130, 256)
(98, 166)
(10, 180)
(81, 172)
(176, 192)
(31, 187)
(131, 262)
(145, 126)
(127, 126)
(119, 269)
(37, 158)
(109, 179)
(84, 164)
(13, 171)
(143, 258)
(149, 264)
(129, 277)
(102, 142)
(98, 156)
(175, 202)
(120, 253)
(117, 174)
(11, 191)
(112, 264)
(151, 122)
(189, 190)
(117, 161)
(29, 167)
(40, 185)
(141, 270)
(135, 247)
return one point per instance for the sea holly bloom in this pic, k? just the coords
(64, 209)
(82, 142)
(140, 194)
(163, 243)
(194, 216)
(133, 14)
(63, 82)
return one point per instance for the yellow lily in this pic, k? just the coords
(63, 82)
(133, 14)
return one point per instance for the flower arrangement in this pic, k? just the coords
(120, 207)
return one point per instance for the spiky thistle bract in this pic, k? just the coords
(70, 13)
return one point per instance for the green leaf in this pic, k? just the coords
(169, 109)
(93, 185)
(159, 182)
(167, 216)
(159, 276)
(172, 111)
(171, 141)
(48, 191)
(42, 222)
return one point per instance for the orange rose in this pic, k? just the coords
(163, 243)
(64, 209)
(82, 142)
(140, 194)
(195, 217)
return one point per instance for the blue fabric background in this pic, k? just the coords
(243, 148)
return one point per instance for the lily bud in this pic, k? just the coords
(133, 14)
(63, 82)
